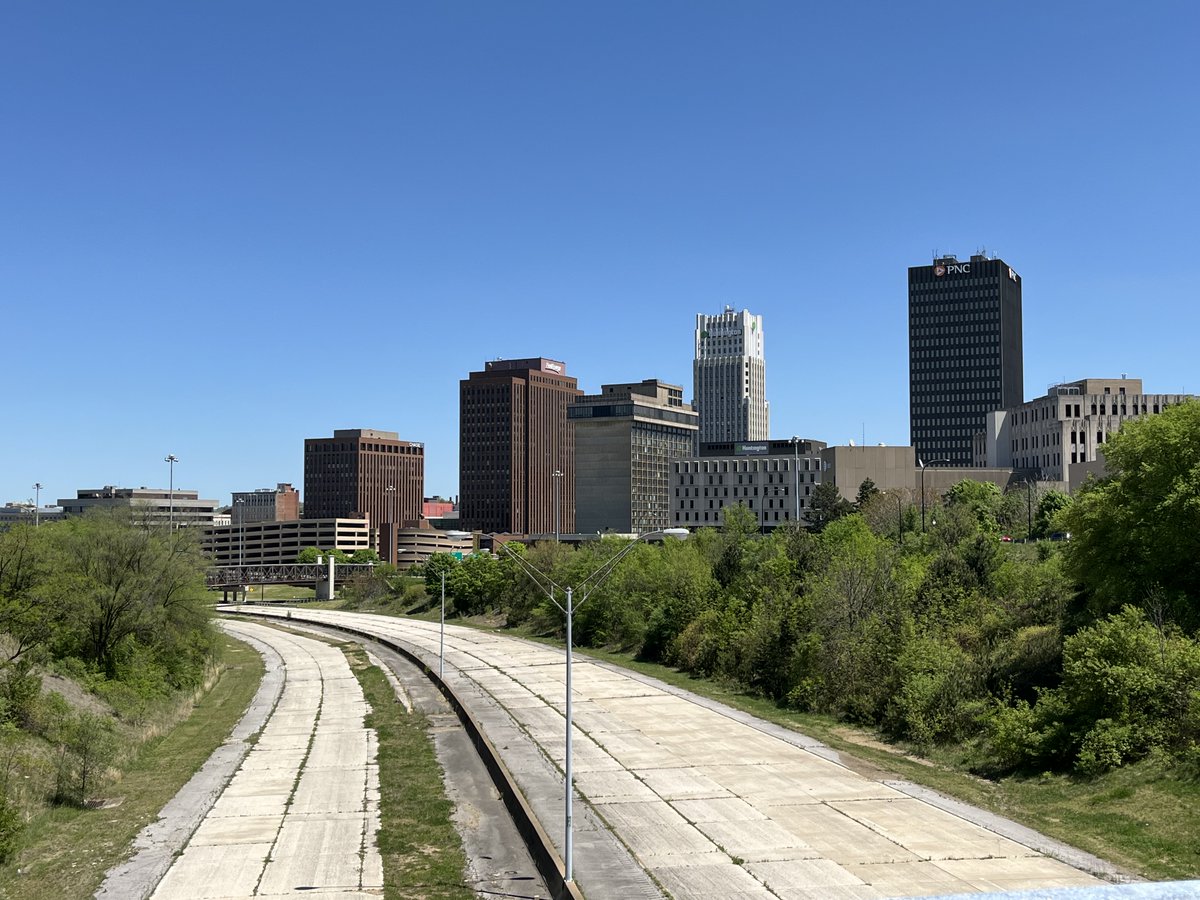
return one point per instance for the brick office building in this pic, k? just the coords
(513, 437)
(363, 473)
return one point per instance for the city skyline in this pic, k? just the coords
(198, 217)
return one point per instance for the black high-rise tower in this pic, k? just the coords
(964, 352)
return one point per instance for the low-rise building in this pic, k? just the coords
(278, 543)
(773, 479)
(156, 506)
(1070, 424)
(17, 513)
(278, 504)
(415, 545)
(897, 468)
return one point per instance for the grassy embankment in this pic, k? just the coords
(66, 850)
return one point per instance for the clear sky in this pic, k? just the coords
(226, 226)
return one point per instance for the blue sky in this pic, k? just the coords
(225, 227)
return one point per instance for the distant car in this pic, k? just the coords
(1060, 536)
(1006, 538)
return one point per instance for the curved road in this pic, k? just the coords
(299, 815)
(710, 802)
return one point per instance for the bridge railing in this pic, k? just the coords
(227, 577)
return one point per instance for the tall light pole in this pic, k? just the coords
(239, 507)
(557, 475)
(390, 490)
(1028, 510)
(588, 586)
(923, 464)
(170, 459)
(37, 504)
(796, 447)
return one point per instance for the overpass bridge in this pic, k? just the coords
(321, 576)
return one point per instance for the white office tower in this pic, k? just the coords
(730, 378)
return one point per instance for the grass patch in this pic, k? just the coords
(66, 851)
(422, 851)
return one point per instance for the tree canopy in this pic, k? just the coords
(1139, 529)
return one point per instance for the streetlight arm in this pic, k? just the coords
(536, 576)
(597, 578)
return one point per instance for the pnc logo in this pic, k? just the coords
(953, 269)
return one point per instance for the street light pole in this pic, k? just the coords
(923, 464)
(1028, 510)
(595, 579)
(390, 490)
(796, 447)
(37, 504)
(442, 633)
(557, 476)
(170, 459)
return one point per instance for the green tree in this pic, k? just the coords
(132, 584)
(1050, 505)
(982, 498)
(1141, 526)
(364, 555)
(827, 505)
(866, 491)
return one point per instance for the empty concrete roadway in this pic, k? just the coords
(710, 802)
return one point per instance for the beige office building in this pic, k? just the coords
(1070, 424)
(155, 506)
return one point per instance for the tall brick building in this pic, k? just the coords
(513, 437)
(362, 473)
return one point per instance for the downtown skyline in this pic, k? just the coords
(203, 223)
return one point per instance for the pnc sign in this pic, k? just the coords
(552, 367)
(952, 269)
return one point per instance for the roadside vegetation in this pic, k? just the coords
(421, 849)
(1067, 672)
(106, 642)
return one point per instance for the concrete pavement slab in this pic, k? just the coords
(706, 881)
(929, 833)
(640, 815)
(717, 809)
(1013, 874)
(838, 837)
(784, 877)
(917, 878)
(757, 840)
(683, 784)
(612, 787)
(330, 791)
(236, 830)
(657, 844)
(214, 871)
